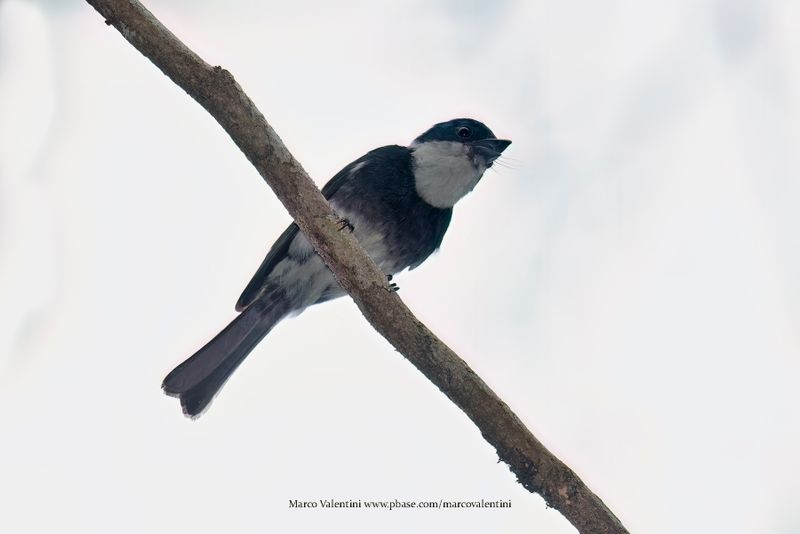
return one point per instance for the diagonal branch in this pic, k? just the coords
(536, 468)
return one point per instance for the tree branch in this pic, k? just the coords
(214, 88)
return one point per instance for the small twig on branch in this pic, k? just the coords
(214, 88)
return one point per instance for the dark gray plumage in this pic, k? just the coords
(399, 201)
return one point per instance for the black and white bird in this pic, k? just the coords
(398, 201)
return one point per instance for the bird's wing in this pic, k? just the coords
(281, 246)
(275, 255)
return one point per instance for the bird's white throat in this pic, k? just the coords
(444, 171)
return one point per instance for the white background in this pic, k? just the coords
(629, 286)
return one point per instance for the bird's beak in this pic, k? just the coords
(491, 148)
(498, 145)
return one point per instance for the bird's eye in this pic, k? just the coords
(464, 132)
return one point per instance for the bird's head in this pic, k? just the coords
(450, 158)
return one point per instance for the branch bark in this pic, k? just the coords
(214, 88)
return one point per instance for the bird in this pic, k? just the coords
(396, 200)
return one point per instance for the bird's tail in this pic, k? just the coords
(198, 379)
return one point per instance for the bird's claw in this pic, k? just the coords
(343, 223)
(393, 288)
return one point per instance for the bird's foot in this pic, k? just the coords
(393, 288)
(343, 223)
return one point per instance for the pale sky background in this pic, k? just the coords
(630, 286)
